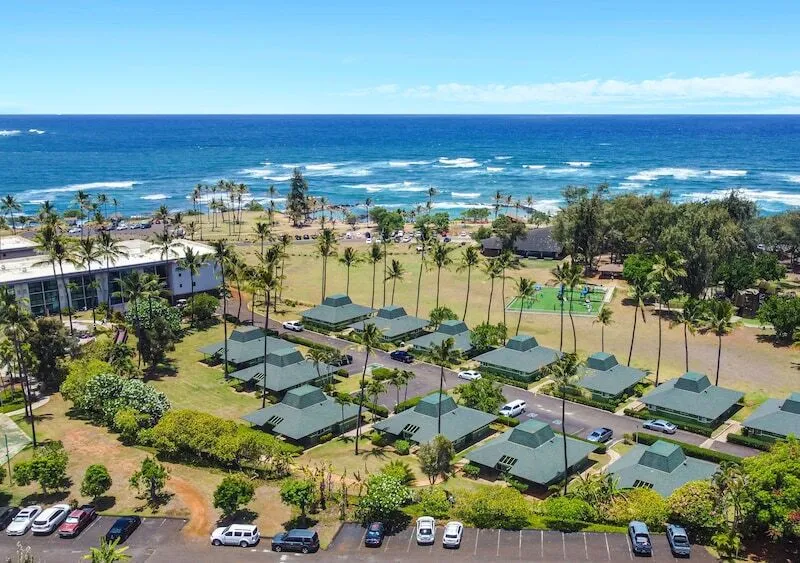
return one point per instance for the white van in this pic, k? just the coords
(244, 535)
(514, 408)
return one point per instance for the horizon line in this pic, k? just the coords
(6, 115)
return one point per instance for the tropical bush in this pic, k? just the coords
(494, 507)
(48, 467)
(471, 470)
(144, 313)
(232, 493)
(384, 498)
(106, 393)
(434, 501)
(399, 470)
(645, 505)
(202, 308)
(693, 507)
(402, 447)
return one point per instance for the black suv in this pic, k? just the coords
(304, 541)
(402, 356)
(343, 360)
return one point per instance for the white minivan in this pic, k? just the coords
(514, 408)
(244, 535)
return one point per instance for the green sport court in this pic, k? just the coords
(547, 301)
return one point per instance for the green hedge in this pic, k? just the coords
(380, 410)
(508, 420)
(294, 339)
(579, 398)
(409, 404)
(696, 427)
(505, 380)
(689, 449)
(382, 374)
(750, 441)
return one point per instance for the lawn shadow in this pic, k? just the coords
(104, 502)
(772, 339)
(42, 498)
(380, 453)
(156, 503)
(300, 522)
(165, 369)
(243, 516)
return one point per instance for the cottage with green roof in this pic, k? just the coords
(286, 369)
(245, 347)
(532, 452)
(305, 414)
(607, 379)
(461, 425)
(775, 419)
(335, 313)
(692, 397)
(662, 467)
(522, 358)
(395, 324)
(457, 330)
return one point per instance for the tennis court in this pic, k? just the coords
(585, 301)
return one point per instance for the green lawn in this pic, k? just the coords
(547, 301)
(751, 402)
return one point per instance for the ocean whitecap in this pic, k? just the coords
(36, 131)
(321, 167)
(760, 196)
(725, 173)
(9, 132)
(407, 163)
(459, 162)
(503, 157)
(578, 164)
(534, 166)
(466, 195)
(664, 172)
(494, 168)
(154, 197)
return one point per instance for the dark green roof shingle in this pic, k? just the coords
(605, 375)
(522, 354)
(780, 418)
(393, 322)
(693, 394)
(337, 309)
(457, 330)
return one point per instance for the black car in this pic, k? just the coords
(343, 360)
(123, 528)
(402, 356)
(374, 535)
(7, 514)
(304, 541)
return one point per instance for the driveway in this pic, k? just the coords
(505, 545)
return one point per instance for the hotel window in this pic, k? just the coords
(43, 297)
(83, 294)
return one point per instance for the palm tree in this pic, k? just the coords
(562, 274)
(191, 262)
(604, 318)
(431, 192)
(83, 199)
(440, 256)
(397, 379)
(265, 280)
(57, 249)
(375, 256)
(374, 388)
(87, 251)
(396, 272)
(385, 235)
(45, 241)
(349, 258)
(638, 292)
(718, 319)
(108, 552)
(371, 337)
(493, 269)
(407, 376)
(470, 258)
(17, 329)
(3, 227)
(526, 290)
(166, 244)
(47, 212)
(318, 356)
(110, 250)
(573, 277)
(423, 241)
(283, 243)
(498, 197)
(691, 317)
(222, 256)
(443, 354)
(367, 204)
(326, 247)
(507, 261)
(563, 372)
(10, 206)
(667, 270)
(262, 231)
(342, 399)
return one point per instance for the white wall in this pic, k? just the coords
(206, 279)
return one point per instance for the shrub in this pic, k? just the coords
(202, 308)
(127, 422)
(567, 508)
(106, 393)
(232, 493)
(146, 311)
(750, 441)
(494, 507)
(79, 373)
(96, 481)
(434, 501)
(471, 470)
(645, 505)
(689, 449)
(325, 438)
(399, 470)
(382, 374)
(377, 439)
(293, 338)
(509, 421)
(341, 372)
(408, 404)
(402, 447)
(48, 467)
(299, 493)
(692, 506)
(382, 502)
(521, 486)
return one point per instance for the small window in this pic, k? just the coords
(228, 534)
(275, 420)
(238, 534)
(639, 484)
(411, 429)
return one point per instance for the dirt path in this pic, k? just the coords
(201, 517)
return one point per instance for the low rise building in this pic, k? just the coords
(286, 369)
(245, 347)
(537, 243)
(304, 415)
(395, 324)
(521, 358)
(336, 312)
(606, 379)
(14, 246)
(457, 330)
(775, 419)
(692, 397)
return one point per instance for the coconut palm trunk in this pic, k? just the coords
(466, 299)
(491, 294)
(633, 332)
(419, 279)
(361, 398)
(561, 337)
(572, 322)
(266, 338)
(658, 355)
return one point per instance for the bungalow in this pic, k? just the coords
(335, 313)
(461, 425)
(691, 396)
(457, 330)
(305, 414)
(774, 419)
(286, 369)
(521, 358)
(245, 347)
(662, 467)
(538, 243)
(607, 379)
(532, 452)
(395, 324)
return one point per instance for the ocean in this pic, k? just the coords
(146, 161)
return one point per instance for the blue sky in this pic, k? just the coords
(399, 57)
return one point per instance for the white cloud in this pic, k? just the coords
(743, 87)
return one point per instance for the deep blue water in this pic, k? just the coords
(144, 161)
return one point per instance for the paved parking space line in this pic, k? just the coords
(388, 539)
(498, 533)
(89, 527)
(608, 549)
(541, 536)
(410, 537)
(475, 551)
(585, 546)
(520, 543)
(361, 543)
(628, 543)
(564, 544)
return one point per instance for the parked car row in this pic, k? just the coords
(61, 518)
(641, 543)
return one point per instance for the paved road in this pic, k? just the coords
(505, 545)
(581, 419)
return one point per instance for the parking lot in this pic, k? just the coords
(153, 532)
(483, 545)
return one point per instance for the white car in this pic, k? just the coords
(243, 535)
(469, 375)
(514, 408)
(122, 227)
(426, 530)
(74, 230)
(23, 521)
(294, 326)
(453, 532)
(50, 519)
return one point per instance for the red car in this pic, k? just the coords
(76, 521)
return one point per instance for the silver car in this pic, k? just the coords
(23, 521)
(453, 532)
(660, 426)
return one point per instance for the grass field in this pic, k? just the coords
(547, 301)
